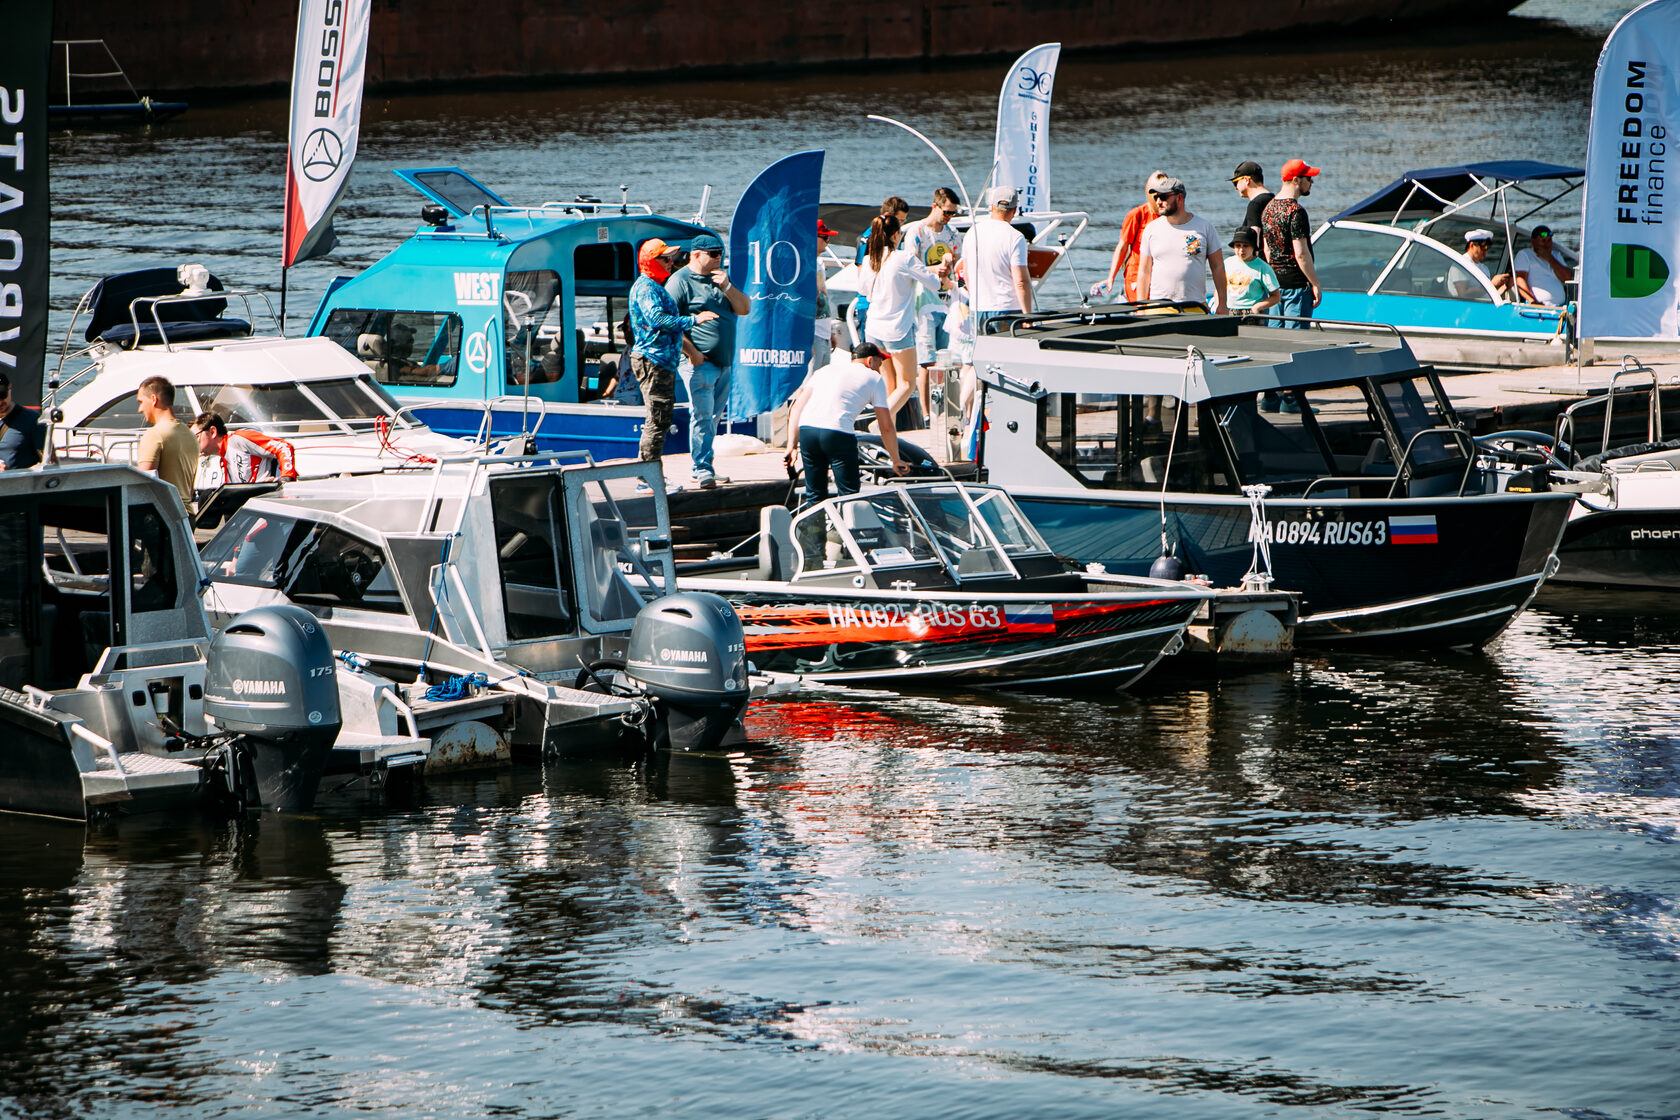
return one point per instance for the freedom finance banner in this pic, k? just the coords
(24, 212)
(326, 120)
(1630, 222)
(1021, 152)
(773, 257)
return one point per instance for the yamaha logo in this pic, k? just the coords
(322, 154)
(258, 688)
(690, 656)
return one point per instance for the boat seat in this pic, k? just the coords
(123, 334)
(370, 348)
(776, 558)
(1596, 462)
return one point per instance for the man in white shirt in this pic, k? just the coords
(997, 261)
(1178, 251)
(1540, 272)
(1477, 242)
(823, 422)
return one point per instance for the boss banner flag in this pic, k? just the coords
(24, 234)
(1021, 152)
(773, 257)
(326, 119)
(1630, 225)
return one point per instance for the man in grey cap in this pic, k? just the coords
(708, 348)
(998, 282)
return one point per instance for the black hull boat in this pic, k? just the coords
(1376, 507)
(941, 585)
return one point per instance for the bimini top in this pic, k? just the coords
(1191, 356)
(1435, 189)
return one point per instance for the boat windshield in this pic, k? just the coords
(345, 404)
(310, 563)
(1007, 523)
(959, 530)
(883, 530)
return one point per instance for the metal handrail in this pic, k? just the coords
(1406, 456)
(111, 653)
(1653, 418)
(1349, 479)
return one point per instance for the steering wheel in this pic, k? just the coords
(1521, 446)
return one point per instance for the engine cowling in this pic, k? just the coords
(689, 652)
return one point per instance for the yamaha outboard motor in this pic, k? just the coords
(689, 653)
(271, 681)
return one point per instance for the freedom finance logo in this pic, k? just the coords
(1636, 271)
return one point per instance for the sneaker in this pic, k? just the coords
(1289, 404)
(708, 481)
(1268, 402)
(642, 487)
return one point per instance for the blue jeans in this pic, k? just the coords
(708, 402)
(1296, 303)
(822, 448)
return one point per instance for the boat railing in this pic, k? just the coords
(191, 650)
(1630, 369)
(100, 447)
(116, 70)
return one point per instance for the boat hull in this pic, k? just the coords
(946, 639)
(1637, 548)
(1404, 573)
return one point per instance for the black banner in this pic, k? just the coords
(25, 44)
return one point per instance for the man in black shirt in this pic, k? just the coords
(20, 431)
(1250, 182)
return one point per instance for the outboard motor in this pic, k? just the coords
(272, 682)
(688, 652)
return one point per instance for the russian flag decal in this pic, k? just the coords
(1031, 618)
(1413, 530)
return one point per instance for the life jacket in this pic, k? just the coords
(285, 455)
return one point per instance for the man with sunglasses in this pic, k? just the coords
(1540, 275)
(932, 241)
(708, 357)
(20, 431)
(1286, 235)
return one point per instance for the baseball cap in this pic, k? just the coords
(1540, 231)
(1007, 198)
(1478, 235)
(1296, 168)
(1169, 185)
(1249, 168)
(1243, 236)
(823, 229)
(651, 249)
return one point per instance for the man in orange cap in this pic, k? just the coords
(1288, 236)
(658, 331)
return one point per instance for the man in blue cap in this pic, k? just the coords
(702, 285)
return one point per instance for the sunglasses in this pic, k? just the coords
(950, 213)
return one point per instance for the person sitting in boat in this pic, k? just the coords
(1538, 270)
(1477, 243)
(245, 456)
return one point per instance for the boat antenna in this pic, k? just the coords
(705, 199)
(888, 120)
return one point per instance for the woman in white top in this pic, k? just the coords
(888, 280)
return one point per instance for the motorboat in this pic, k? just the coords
(520, 574)
(1398, 257)
(174, 323)
(495, 321)
(939, 583)
(115, 695)
(1376, 507)
(1624, 529)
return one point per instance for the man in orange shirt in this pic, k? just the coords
(1131, 234)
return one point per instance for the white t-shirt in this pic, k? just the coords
(1542, 281)
(839, 392)
(1179, 257)
(1458, 277)
(892, 295)
(992, 248)
(930, 248)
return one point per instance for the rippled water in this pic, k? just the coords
(1444, 886)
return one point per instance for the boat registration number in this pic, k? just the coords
(919, 619)
(1325, 532)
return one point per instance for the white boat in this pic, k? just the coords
(521, 574)
(174, 324)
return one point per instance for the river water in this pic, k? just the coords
(1443, 885)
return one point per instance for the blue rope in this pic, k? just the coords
(458, 687)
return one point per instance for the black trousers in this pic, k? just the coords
(825, 448)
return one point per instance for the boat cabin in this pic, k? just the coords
(1069, 400)
(488, 299)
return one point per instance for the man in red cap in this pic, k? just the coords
(1288, 235)
(658, 330)
(822, 346)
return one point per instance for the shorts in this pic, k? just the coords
(892, 345)
(931, 335)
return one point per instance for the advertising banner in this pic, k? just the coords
(773, 257)
(24, 211)
(1021, 153)
(1630, 221)
(326, 121)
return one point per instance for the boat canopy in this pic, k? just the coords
(113, 314)
(1434, 190)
